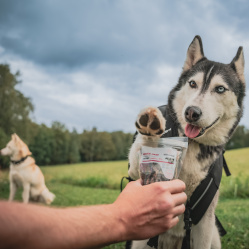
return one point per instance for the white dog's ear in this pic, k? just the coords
(15, 138)
(194, 53)
(24, 151)
(238, 64)
(22, 147)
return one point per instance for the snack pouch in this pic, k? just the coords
(161, 160)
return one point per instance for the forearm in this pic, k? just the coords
(41, 227)
(94, 226)
(139, 212)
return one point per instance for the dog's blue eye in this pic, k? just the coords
(192, 84)
(220, 89)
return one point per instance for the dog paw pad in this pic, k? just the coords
(155, 124)
(143, 120)
(150, 121)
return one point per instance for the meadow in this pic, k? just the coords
(99, 183)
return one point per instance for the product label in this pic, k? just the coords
(159, 160)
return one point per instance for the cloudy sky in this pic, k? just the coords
(98, 62)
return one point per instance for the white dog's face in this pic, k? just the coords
(216, 109)
(9, 150)
(16, 148)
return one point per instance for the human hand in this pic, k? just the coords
(146, 211)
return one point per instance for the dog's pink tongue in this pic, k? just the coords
(192, 131)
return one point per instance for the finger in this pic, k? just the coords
(136, 183)
(169, 223)
(166, 221)
(179, 198)
(174, 221)
(178, 210)
(176, 186)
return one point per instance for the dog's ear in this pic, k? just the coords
(14, 137)
(194, 53)
(238, 64)
(24, 149)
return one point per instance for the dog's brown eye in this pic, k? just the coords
(220, 89)
(192, 84)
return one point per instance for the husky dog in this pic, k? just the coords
(25, 173)
(207, 104)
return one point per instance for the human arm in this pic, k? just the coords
(139, 212)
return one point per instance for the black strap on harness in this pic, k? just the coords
(203, 195)
(228, 173)
(153, 242)
(121, 183)
(187, 226)
(201, 199)
(171, 126)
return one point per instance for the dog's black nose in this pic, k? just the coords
(192, 113)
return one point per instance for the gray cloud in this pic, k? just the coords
(80, 32)
(74, 33)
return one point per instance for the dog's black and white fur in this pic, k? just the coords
(207, 104)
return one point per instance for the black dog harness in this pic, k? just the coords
(203, 195)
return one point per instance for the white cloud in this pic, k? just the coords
(165, 78)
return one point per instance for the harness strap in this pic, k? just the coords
(121, 183)
(153, 242)
(187, 227)
(171, 126)
(128, 244)
(205, 191)
(221, 229)
(228, 173)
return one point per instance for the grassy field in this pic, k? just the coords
(98, 183)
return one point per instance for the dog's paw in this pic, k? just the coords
(150, 122)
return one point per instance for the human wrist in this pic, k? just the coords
(102, 220)
(120, 222)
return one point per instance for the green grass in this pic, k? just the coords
(99, 183)
(236, 185)
(234, 216)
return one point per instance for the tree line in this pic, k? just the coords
(56, 144)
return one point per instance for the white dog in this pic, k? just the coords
(25, 173)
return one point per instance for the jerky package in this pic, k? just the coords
(161, 160)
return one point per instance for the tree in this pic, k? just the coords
(97, 146)
(122, 142)
(42, 145)
(87, 144)
(239, 139)
(4, 139)
(74, 147)
(104, 147)
(60, 145)
(15, 108)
